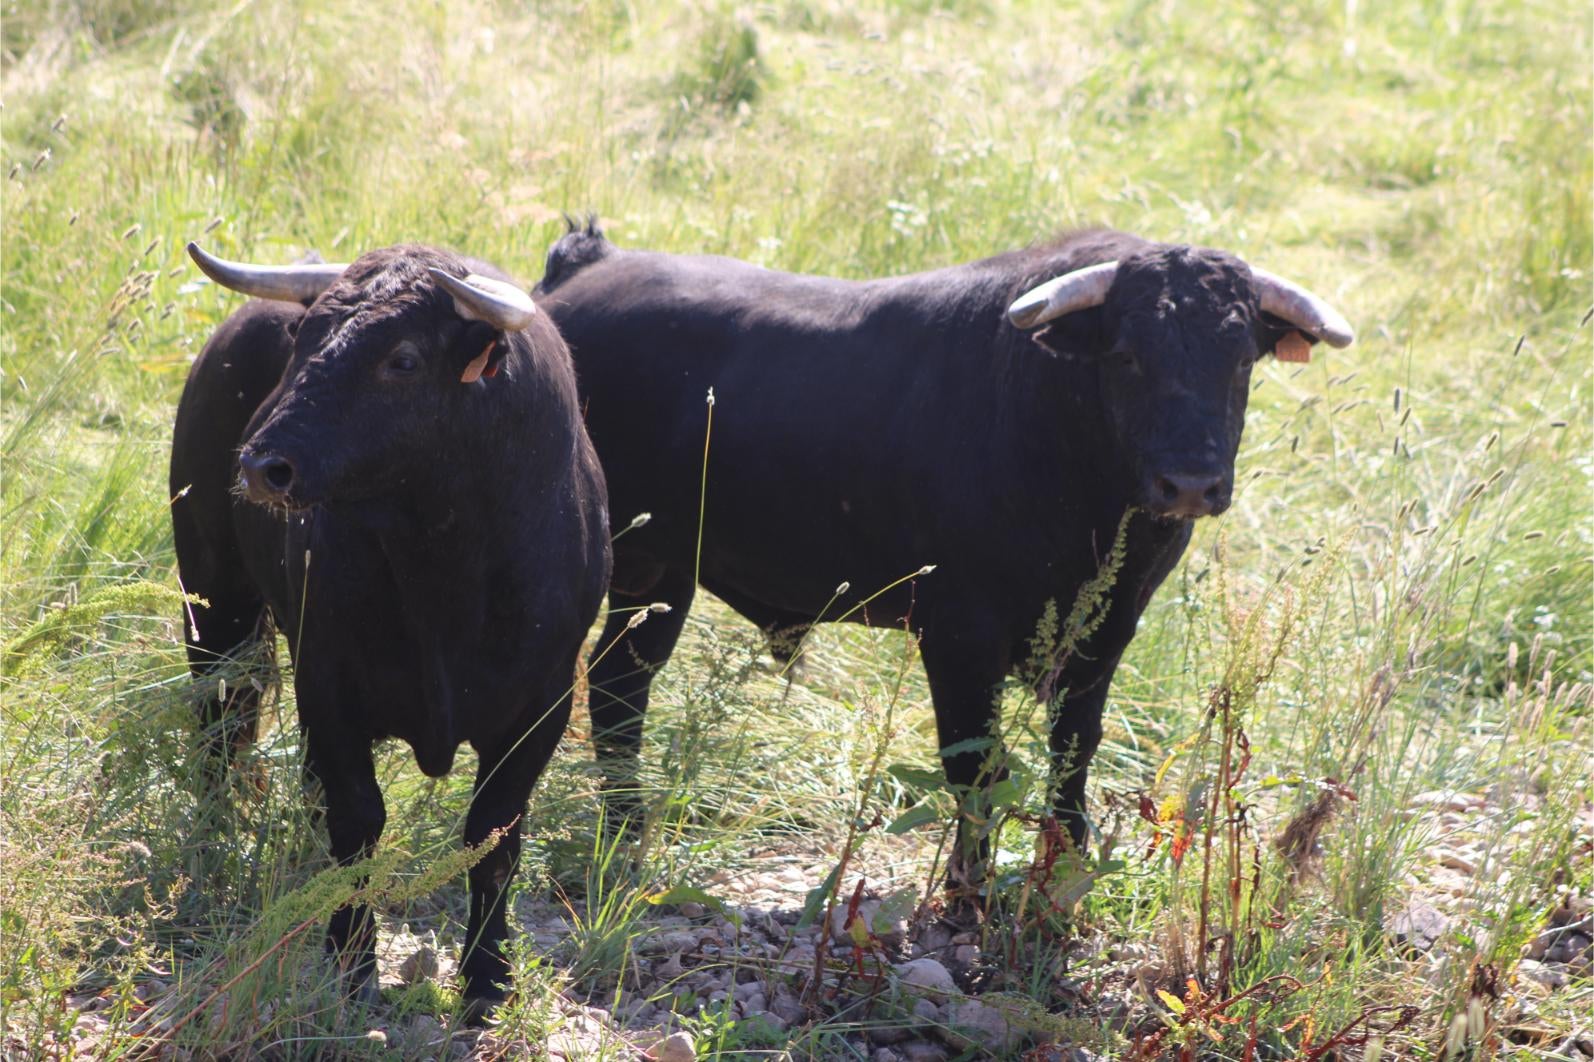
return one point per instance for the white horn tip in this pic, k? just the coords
(202, 258)
(1338, 334)
(1025, 310)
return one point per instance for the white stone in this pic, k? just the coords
(1549, 976)
(677, 1047)
(929, 977)
(421, 966)
(982, 1026)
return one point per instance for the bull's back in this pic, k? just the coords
(830, 422)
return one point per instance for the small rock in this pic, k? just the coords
(565, 1043)
(926, 1013)
(1448, 801)
(747, 988)
(1419, 927)
(933, 940)
(420, 967)
(1570, 947)
(150, 990)
(677, 940)
(889, 930)
(426, 1030)
(929, 976)
(885, 1054)
(692, 909)
(974, 1024)
(754, 1004)
(965, 954)
(1544, 974)
(786, 1007)
(890, 1033)
(677, 1047)
(1457, 861)
(88, 1002)
(921, 1051)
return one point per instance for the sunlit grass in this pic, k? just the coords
(1427, 167)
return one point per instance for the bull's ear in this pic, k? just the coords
(479, 350)
(1073, 335)
(1283, 340)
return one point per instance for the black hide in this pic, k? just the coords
(865, 429)
(433, 551)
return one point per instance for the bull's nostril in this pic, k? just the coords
(265, 475)
(278, 473)
(1167, 489)
(1213, 494)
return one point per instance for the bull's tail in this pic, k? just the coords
(582, 244)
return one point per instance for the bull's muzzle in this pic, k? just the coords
(1186, 496)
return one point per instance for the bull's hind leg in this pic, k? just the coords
(634, 645)
(229, 643)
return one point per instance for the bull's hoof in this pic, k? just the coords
(361, 991)
(964, 911)
(478, 1007)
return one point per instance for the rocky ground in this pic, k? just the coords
(901, 984)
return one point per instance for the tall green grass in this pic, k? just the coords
(1416, 508)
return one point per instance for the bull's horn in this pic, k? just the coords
(1078, 290)
(479, 298)
(293, 283)
(1302, 309)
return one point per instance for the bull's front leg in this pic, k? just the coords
(355, 814)
(504, 779)
(966, 675)
(1075, 733)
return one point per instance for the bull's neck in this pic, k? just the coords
(1062, 437)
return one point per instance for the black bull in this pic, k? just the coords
(389, 460)
(863, 430)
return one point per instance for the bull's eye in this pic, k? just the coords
(402, 363)
(1124, 358)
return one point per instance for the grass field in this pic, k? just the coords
(1394, 619)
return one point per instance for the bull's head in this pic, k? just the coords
(389, 354)
(1174, 333)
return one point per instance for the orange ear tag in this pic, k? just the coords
(1293, 347)
(473, 371)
